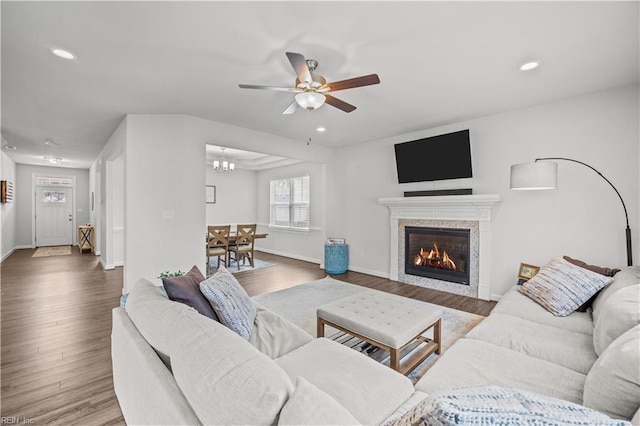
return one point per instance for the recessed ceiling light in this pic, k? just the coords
(53, 160)
(321, 129)
(64, 54)
(529, 66)
(49, 142)
(9, 147)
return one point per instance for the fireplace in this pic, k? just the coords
(469, 212)
(438, 253)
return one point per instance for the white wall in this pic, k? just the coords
(301, 245)
(108, 186)
(165, 222)
(235, 197)
(8, 210)
(582, 218)
(25, 199)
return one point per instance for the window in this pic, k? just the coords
(53, 181)
(290, 203)
(54, 197)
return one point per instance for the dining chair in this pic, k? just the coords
(218, 244)
(243, 247)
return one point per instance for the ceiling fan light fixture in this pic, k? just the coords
(310, 100)
(64, 54)
(530, 66)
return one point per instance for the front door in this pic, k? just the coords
(54, 216)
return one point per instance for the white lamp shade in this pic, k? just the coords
(532, 176)
(310, 100)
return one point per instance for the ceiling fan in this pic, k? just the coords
(312, 89)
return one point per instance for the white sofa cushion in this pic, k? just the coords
(563, 347)
(562, 287)
(154, 316)
(225, 379)
(471, 362)
(619, 312)
(368, 389)
(517, 304)
(626, 277)
(308, 405)
(613, 384)
(491, 405)
(275, 336)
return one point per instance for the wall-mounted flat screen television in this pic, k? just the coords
(435, 158)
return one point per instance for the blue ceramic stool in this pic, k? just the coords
(336, 258)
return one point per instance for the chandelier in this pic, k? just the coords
(223, 165)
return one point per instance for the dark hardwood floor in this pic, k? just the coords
(56, 326)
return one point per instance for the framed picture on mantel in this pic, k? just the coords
(210, 197)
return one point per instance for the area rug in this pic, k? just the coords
(233, 267)
(299, 304)
(52, 251)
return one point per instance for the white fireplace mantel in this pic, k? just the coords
(449, 208)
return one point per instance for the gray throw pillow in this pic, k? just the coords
(186, 289)
(561, 287)
(230, 301)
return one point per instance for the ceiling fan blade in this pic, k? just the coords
(276, 88)
(365, 80)
(291, 108)
(299, 64)
(342, 105)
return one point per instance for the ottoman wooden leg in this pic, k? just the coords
(319, 328)
(394, 362)
(437, 336)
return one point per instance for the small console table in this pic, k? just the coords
(85, 238)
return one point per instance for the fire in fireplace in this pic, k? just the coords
(439, 253)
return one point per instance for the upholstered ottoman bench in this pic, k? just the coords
(387, 321)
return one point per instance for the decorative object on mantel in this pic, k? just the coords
(312, 88)
(544, 175)
(526, 272)
(223, 165)
(6, 191)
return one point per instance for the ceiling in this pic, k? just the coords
(438, 62)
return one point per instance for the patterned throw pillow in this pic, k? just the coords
(489, 405)
(230, 301)
(561, 287)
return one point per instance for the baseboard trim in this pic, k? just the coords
(7, 255)
(106, 267)
(292, 256)
(369, 272)
(495, 297)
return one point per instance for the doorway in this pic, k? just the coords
(54, 216)
(53, 210)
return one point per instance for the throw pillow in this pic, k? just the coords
(607, 272)
(309, 405)
(230, 301)
(489, 405)
(561, 287)
(620, 312)
(186, 289)
(613, 383)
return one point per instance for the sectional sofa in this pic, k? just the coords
(172, 365)
(590, 358)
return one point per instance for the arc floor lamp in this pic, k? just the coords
(543, 174)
